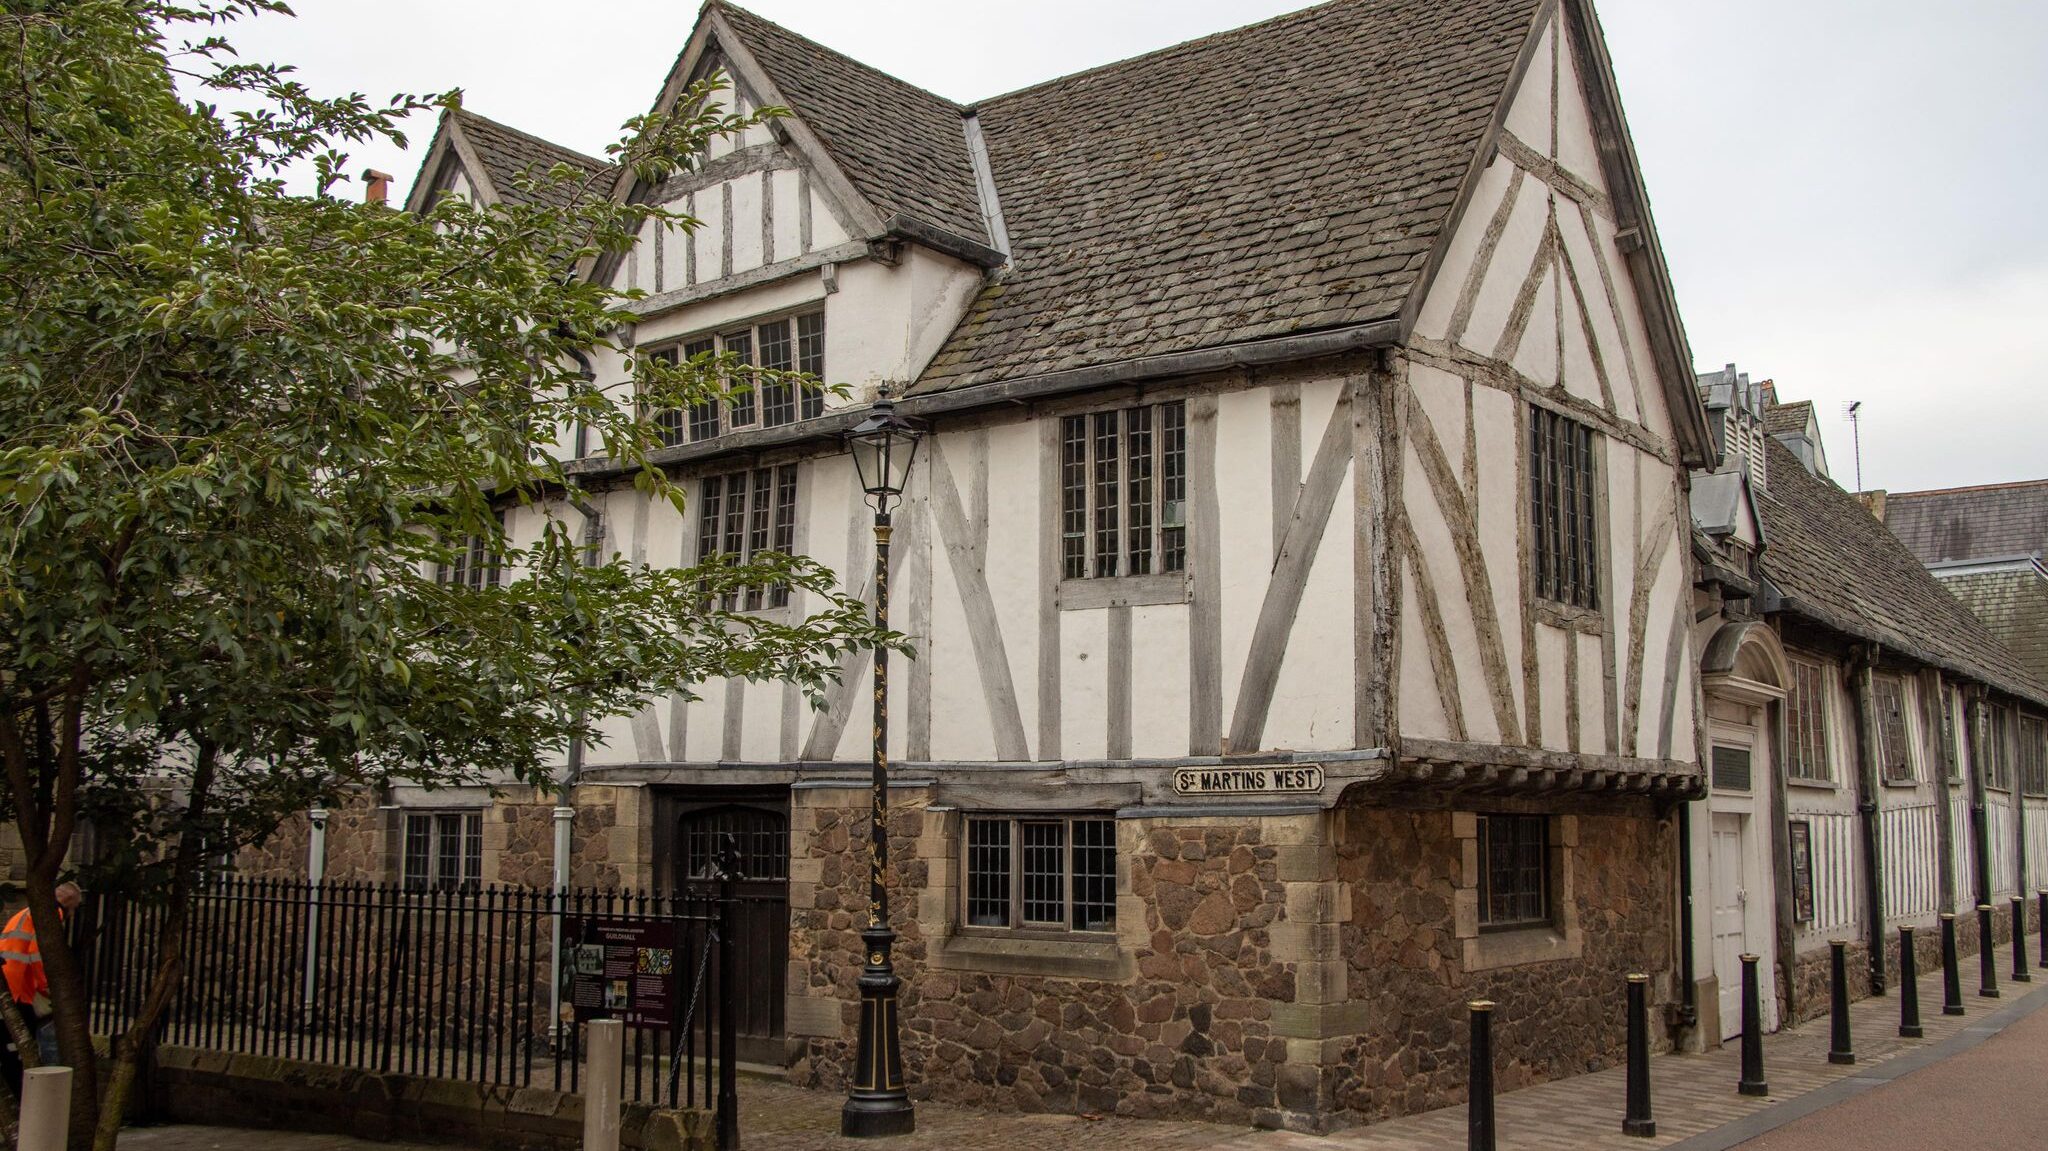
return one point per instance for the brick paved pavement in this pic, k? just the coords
(1692, 1094)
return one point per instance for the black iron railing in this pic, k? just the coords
(454, 983)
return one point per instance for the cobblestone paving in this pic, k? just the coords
(1691, 1094)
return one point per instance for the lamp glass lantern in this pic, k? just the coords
(883, 447)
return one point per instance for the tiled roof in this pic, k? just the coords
(1998, 521)
(508, 153)
(1281, 178)
(1787, 419)
(2013, 603)
(1841, 568)
(904, 148)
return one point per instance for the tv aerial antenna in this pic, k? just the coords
(1854, 410)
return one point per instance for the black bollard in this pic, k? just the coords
(2041, 922)
(2019, 940)
(1987, 954)
(1479, 1097)
(1839, 1046)
(1909, 987)
(1951, 975)
(1637, 1120)
(1752, 1082)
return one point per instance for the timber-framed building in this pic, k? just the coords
(1300, 569)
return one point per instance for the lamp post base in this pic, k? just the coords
(876, 1118)
(877, 1105)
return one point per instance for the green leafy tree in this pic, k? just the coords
(241, 430)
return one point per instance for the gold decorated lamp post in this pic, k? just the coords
(883, 446)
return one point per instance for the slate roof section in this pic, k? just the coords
(1282, 178)
(1787, 419)
(1953, 525)
(508, 153)
(1840, 567)
(904, 148)
(2013, 603)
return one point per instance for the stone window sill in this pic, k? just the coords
(1022, 955)
(1490, 950)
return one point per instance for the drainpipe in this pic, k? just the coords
(316, 870)
(1980, 824)
(1861, 664)
(564, 819)
(1689, 1011)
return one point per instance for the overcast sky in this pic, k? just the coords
(1849, 192)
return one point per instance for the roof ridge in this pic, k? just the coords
(728, 6)
(1065, 77)
(462, 112)
(2002, 486)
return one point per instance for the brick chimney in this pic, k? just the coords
(376, 186)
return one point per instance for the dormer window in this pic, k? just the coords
(784, 344)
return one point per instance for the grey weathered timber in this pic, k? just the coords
(1528, 159)
(1117, 671)
(732, 740)
(1376, 616)
(1541, 266)
(1489, 242)
(678, 726)
(984, 627)
(1674, 674)
(1205, 567)
(1441, 664)
(918, 575)
(1532, 663)
(1462, 361)
(1460, 521)
(1284, 403)
(1662, 528)
(1586, 331)
(1309, 516)
(700, 290)
(1123, 591)
(1048, 589)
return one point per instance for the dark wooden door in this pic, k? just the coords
(761, 919)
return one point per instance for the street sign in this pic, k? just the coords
(1288, 780)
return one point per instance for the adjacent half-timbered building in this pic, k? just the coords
(1876, 757)
(1299, 567)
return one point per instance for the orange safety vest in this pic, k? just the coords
(21, 960)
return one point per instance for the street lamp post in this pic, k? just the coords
(883, 446)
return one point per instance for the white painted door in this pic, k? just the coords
(1731, 903)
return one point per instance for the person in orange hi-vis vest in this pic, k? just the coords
(21, 961)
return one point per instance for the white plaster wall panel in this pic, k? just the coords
(615, 744)
(1422, 706)
(785, 188)
(1574, 354)
(941, 290)
(1499, 506)
(640, 261)
(1536, 355)
(1592, 701)
(1318, 399)
(745, 192)
(1655, 414)
(1911, 859)
(1508, 268)
(1441, 395)
(1576, 150)
(1964, 862)
(704, 726)
(1550, 644)
(960, 722)
(1159, 681)
(1835, 901)
(1684, 719)
(1998, 829)
(710, 234)
(1667, 596)
(1314, 698)
(826, 230)
(1084, 704)
(1623, 374)
(715, 313)
(1529, 114)
(1012, 560)
(1434, 540)
(1434, 321)
(458, 184)
(675, 253)
(864, 325)
(2036, 829)
(1244, 450)
(1623, 473)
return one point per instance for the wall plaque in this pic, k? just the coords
(1288, 780)
(621, 969)
(1801, 832)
